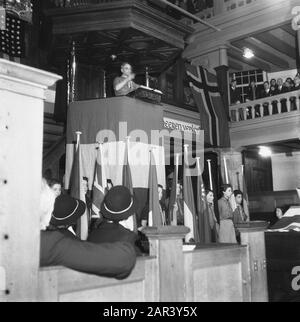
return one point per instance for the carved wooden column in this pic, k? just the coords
(253, 235)
(222, 76)
(166, 245)
(22, 94)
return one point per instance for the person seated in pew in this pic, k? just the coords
(56, 186)
(60, 247)
(124, 84)
(118, 205)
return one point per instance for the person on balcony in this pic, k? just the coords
(124, 84)
(266, 92)
(60, 247)
(280, 87)
(252, 92)
(273, 87)
(290, 84)
(235, 93)
(297, 83)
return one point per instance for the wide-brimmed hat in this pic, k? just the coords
(66, 211)
(118, 204)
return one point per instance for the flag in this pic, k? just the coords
(190, 220)
(213, 118)
(100, 182)
(202, 210)
(76, 191)
(173, 195)
(12, 37)
(127, 182)
(245, 194)
(154, 217)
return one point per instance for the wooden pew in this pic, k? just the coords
(58, 284)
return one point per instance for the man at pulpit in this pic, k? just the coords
(124, 84)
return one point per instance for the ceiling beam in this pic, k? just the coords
(288, 28)
(261, 53)
(277, 44)
(257, 63)
(235, 64)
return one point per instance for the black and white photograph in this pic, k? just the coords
(149, 154)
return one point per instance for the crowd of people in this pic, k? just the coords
(272, 88)
(111, 247)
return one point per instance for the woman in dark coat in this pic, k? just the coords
(60, 247)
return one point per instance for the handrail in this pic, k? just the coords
(273, 105)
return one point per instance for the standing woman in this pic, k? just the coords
(213, 222)
(227, 232)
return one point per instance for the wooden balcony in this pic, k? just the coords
(266, 120)
(130, 30)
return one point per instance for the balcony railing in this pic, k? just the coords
(266, 107)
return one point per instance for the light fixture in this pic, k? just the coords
(248, 53)
(265, 151)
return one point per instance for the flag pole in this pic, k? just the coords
(174, 217)
(238, 180)
(226, 171)
(210, 175)
(78, 135)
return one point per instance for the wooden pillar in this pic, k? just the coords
(222, 76)
(22, 93)
(166, 245)
(253, 235)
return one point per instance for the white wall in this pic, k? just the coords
(286, 171)
(284, 74)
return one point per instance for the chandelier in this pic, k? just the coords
(19, 8)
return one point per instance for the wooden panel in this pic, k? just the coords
(132, 292)
(257, 264)
(258, 172)
(217, 273)
(21, 138)
(218, 284)
(60, 284)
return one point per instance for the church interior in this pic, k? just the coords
(218, 83)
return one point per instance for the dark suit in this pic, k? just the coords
(108, 232)
(235, 95)
(59, 248)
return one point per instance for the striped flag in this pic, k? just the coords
(213, 116)
(154, 217)
(99, 184)
(190, 219)
(127, 182)
(245, 193)
(202, 209)
(76, 191)
(173, 195)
